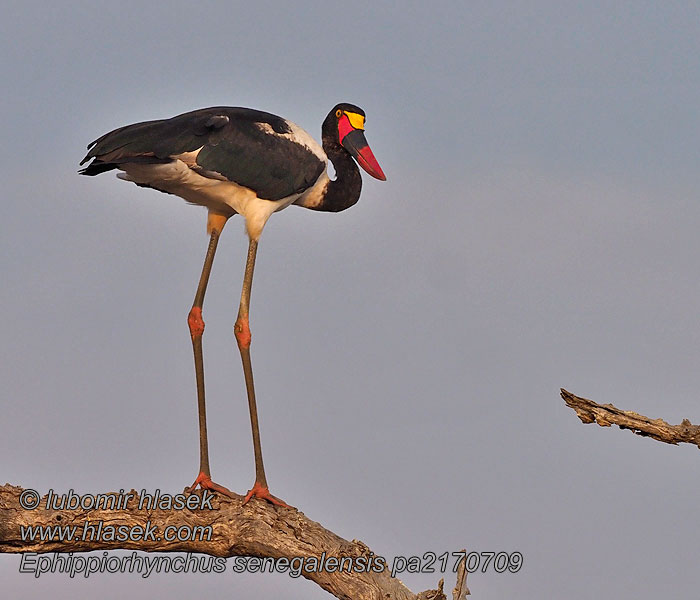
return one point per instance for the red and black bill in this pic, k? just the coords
(354, 141)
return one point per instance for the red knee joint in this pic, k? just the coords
(242, 332)
(195, 322)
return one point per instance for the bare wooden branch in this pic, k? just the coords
(256, 529)
(607, 414)
(437, 594)
(461, 591)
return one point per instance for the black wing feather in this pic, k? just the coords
(232, 142)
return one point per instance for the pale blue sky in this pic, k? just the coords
(538, 230)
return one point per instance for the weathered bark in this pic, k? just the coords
(460, 591)
(255, 529)
(607, 414)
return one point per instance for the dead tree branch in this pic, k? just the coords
(461, 591)
(606, 415)
(256, 529)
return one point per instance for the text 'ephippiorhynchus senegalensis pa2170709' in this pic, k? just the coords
(247, 162)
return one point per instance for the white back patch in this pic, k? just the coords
(297, 135)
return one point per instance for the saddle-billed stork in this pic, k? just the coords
(247, 162)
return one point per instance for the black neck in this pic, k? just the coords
(344, 191)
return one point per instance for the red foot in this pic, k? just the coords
(205, 482)
(242, 332)
(261, 491)
(195, 322)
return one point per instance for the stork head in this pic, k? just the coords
(345, 125)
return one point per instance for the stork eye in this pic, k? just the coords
(338, 113)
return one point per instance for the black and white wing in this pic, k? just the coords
(257, 150)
